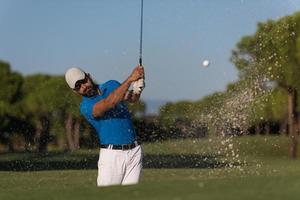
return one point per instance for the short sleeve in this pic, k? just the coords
(86, 109)
(113, 84)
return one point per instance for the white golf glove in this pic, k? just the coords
(138, 86)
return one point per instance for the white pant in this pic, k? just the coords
(118, 167)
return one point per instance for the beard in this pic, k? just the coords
(91, 91)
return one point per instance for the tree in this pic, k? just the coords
(137, 109)
(11, 83)
(36, 108)
(170, 112)
(54, 108)
(273, 54)
(65, 108)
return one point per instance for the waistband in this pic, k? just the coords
(120, 146)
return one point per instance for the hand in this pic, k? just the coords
(137, 74)
(138, 86)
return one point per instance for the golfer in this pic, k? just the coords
(103, 105)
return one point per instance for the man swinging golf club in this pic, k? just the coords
(103, 105)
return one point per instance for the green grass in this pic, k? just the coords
(264, 172)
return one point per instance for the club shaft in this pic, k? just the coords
(141, 35)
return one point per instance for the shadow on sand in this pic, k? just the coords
(61, 161)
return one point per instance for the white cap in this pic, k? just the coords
(73, 75)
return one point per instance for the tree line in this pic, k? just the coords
(39, 109)
(265, 98)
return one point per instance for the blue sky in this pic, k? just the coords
(102, 37)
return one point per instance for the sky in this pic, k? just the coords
(102, 37)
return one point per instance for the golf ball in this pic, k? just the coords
(205, 63)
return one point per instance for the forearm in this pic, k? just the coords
(118, 94)
(135, 97)
(112, 100)
(131, 97)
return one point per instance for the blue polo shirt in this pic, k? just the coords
(115, 126)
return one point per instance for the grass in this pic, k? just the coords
(264, 172)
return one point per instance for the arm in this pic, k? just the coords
(132, 97)
(117, 95)
(135, 94)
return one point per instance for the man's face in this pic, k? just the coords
(84, 87)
